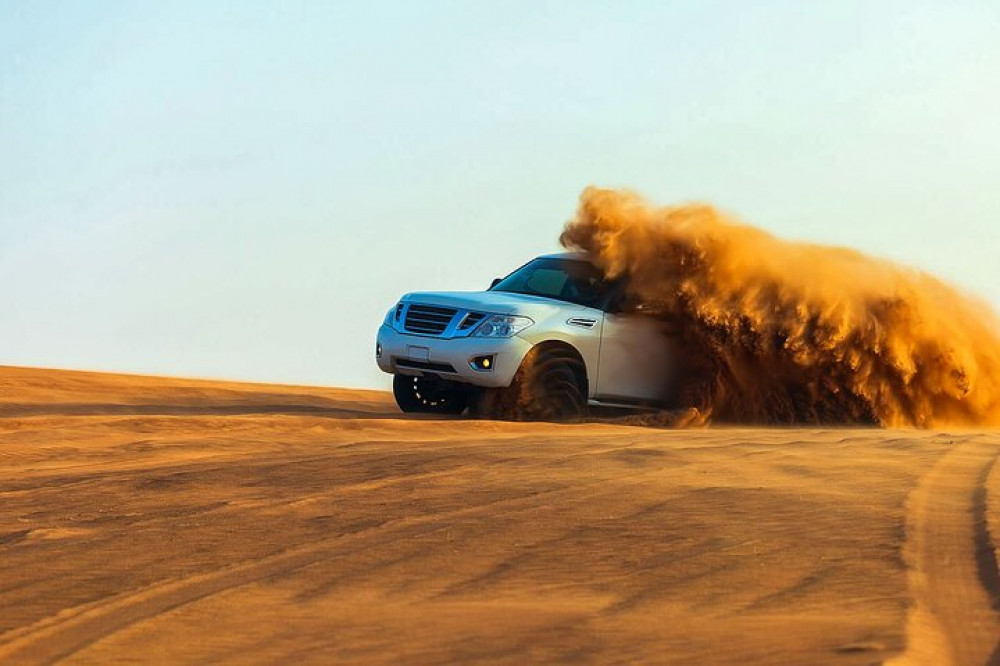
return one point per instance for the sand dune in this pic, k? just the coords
(151, 520)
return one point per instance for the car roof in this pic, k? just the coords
(571, 256)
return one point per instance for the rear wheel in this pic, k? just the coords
(550, 385)
(429, 395)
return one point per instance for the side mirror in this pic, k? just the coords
(495, 282)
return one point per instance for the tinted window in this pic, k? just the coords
(562, 279)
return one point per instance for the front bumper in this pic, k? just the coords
(449, 358)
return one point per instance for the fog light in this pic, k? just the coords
(378, 350)
(482, 363)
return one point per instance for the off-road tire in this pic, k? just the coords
(429, 395)
(550, 385)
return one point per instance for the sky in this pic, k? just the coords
(242, 189)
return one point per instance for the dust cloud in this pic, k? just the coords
(774, 331)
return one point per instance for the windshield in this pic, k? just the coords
(569, 280)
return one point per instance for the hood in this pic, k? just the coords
(491, 302)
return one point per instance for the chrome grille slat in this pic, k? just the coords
(429, 318)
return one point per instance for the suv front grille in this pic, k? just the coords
(428, 319)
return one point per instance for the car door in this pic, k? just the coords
(638, 361)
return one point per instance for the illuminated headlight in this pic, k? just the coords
(502, 326)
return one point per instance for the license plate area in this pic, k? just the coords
(415, 353)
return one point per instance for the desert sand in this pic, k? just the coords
(155, 520)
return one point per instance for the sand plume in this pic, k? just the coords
(775, 331)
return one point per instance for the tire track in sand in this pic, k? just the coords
(953, 573)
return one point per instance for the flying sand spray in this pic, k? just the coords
(774, 331)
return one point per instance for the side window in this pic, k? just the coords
(589, 290)
(619, 300)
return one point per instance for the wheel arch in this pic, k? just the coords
(583, 374)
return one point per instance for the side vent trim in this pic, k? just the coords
(582, 322)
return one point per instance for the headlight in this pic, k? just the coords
(502, 326)
(388, 316)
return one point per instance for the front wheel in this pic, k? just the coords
(550, 385)
(429, 396)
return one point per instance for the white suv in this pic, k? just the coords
(544, 342)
